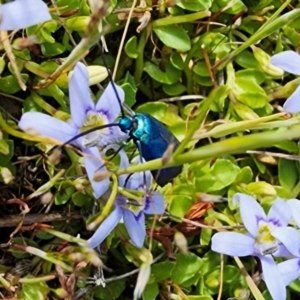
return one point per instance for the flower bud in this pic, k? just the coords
(46, 198)
(55, 156)
(78, 23)
(181, 242)
(96, 74)
(7, 176)
(142, 254)
(212, 282)
(245, 112)
(142, 280)
(101, 175)
(264, 61)
(261, 188)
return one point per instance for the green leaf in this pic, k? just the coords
(203, 81)
(170, 76)
(236, 6)
(187, 265)
(131, 47)
(112, 290)
(205, 236)
(245, 175)
(8, 147)
(174, 37)
(151, 291)
(210, 260)
(130, 89)
(201, 69)
(64, 194)
(4, 148)
(34, 291)
(52, 49)
(222, 174)
(174, 89)
(287, 173)
(177, 60)
(255, 75)
(292, 35)
(54, 91)
(250, 93)
(195, 5)
(10, 85)
(247, 60)
(81, 200)
(181, 202)
(163, 270)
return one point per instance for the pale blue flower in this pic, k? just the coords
(84, 115)
(134, 216)
(264, 239)
(290, 269)
(22, 14)
(289, 61)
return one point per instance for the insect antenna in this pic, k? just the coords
(87, 132)
(112, 82)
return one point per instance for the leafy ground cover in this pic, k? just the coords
(217, 74)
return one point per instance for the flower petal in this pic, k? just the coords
(294, 204)
(289, 237)
(124, 162)
(282, 251)
(22, 14)
(154, 204)
(273, 278)
(135, 226)
(79, 93)
(289, 270)
(288, 61)
(280, 213)
(108, 103)
(292, 104)
(113, 136)
(140, 179)
(93, 163)
(45, 125)
(142, 280)
(105, 228)
(251, 212)
(233, 243)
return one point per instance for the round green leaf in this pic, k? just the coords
(201, 69)
(173, 89)
(10, 85)
(131, 47)
(177, 61)
(174, 36)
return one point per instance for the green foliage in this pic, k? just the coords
(200, 67)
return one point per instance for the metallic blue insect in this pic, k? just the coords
(151, 137)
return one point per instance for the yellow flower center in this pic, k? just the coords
(265, 242)
(93, 120)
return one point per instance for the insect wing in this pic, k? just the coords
(158, 139)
